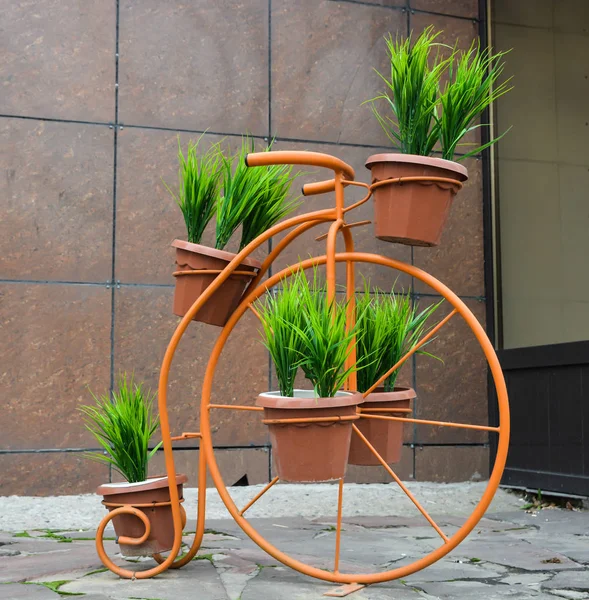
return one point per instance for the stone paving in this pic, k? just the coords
(542, 555)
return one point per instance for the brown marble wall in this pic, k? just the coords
(91, 107)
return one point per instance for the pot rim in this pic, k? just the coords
(399, 393)
(214, 253)
(308, 400)
(151, 483)
(416, 159)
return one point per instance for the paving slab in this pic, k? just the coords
(16, 591)
(510, 553)
(54, 560)
(518, 554)
(197, 579)
(476, 590)
(574, 580)
(447, 569)
(284, 584)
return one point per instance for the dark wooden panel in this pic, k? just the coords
(576, 485)
(549, 399)
(553, 355)
(530, 416)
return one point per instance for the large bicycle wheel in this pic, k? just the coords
(447, 543)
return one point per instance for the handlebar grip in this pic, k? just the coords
(319, 187)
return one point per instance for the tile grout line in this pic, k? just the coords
(5, 452)
(114, 213)
(264, 137)
(56, 120)
(122, 284)
(408, 7)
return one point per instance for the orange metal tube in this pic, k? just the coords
(283, 243)
(186, 435)
(251, 307)
(413, 350)
(258, 495)
(142, 505)
(338, 528)
(108, 563)
(421, 179)
(324, 187)
(330, 265)
(346, 226)
(236, 407)
(384, 410)
(435, 423)
(401, 485)
(211, 271)
(352, 380)
(200, 519)
(165, 371)
(207, 446)
(311, 420)
(294, 157)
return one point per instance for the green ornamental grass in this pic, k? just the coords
(212, 183)
(389, 326)
(421, 113)
(198, 187)
(472, 86)
(254, 198)
(281, 318)
(303, 330)
(123, 426)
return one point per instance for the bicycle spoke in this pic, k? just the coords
(413, 350)
(258, 496)
(236, 407)
(402, 486)
(435, 423)
(338, 530)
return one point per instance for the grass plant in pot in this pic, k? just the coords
(422, 116)
(214, 185)
(123, 426)
(389, 326)
(303, 330)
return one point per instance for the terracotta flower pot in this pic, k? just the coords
(220, 306)
(412, 213)
(154, 489)
(385, 436)
(312, 451)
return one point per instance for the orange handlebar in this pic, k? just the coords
(297, 157)
(319, 187)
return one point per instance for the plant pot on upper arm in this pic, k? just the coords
(413, 191)
(212, 184)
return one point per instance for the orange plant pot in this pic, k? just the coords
(310, 451)
(154, 489)
(413, 213)
(385, 436)
(220, 306)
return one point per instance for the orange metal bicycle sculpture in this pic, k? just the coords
(343, 176)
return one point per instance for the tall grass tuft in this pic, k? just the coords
(412, 94)
(389, 325)
(123, 426)
(281, 318)
(303, 330)
(472, 86)
(254, 198)
(198, 187)
(421, 113)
